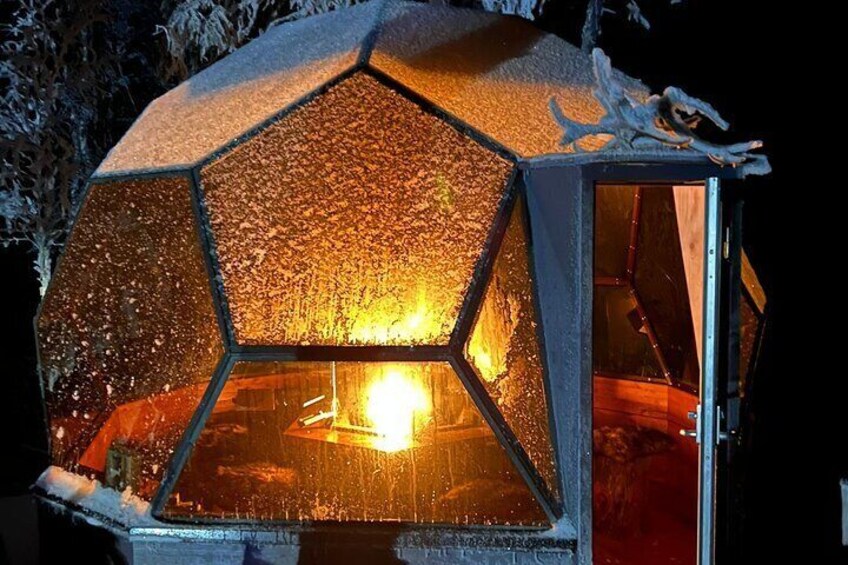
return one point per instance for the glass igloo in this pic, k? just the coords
(294, 280)
(345, 275)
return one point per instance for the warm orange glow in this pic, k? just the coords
(390, 320)
(489, 344)
(395, 400)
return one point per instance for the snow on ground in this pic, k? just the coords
(122, 507)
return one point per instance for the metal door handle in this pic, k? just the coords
(696, 433)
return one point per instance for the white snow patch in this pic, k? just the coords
(123, 507)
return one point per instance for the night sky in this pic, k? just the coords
(746, 59)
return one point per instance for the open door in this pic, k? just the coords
(666, 380)
(733, 317)
(709, 414)
(647, 371)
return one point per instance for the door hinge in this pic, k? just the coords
(725, 246)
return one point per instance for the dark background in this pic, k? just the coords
(762, 66)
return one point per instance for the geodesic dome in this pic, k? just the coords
(309, 264)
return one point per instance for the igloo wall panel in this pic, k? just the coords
(241, 91)
(660, 280)
(505, 352)
(128, 334)
(495, 73)
(357, 219)
(407, 444)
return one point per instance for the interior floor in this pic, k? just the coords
(645, 474)
(665, 541)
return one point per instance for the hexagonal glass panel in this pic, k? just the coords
(128, 336)
(504, 349)
(495, 73)
(356, 220)
(350, 441)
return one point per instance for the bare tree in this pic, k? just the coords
(595, 9)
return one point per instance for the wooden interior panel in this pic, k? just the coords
(634, 401)
(690, 205)
(653, 405)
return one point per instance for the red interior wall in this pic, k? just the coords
(620, 402)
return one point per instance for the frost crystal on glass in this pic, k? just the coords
(357, 219)
(505, 353)
(127, 333)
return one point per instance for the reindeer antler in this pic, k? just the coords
(662, 120)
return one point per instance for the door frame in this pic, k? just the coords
(714, 327)
(709, 414)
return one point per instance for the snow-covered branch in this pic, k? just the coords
(55, 68)
(666, 120)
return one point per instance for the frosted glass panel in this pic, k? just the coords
(350, 442)
(495, 73)
(357, 219)
(240, 91)
(128, 335)
(504, 349)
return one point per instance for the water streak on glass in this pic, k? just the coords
(349, 441)
(504, 349)
(356, 220)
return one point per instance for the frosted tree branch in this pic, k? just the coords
(57, 68)
(591, 25)
(595, 9)
(666, 120)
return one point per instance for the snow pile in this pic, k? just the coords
(122, 507)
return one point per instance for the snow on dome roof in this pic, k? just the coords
(495, 73)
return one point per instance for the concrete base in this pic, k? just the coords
(177, 544)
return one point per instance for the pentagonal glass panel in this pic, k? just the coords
(128, 336)
(495, 73)
(613, 221)
(504, 349)
(239, 92)
(621, 344)
(350, 441)
(357, 219)
(660, 281)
